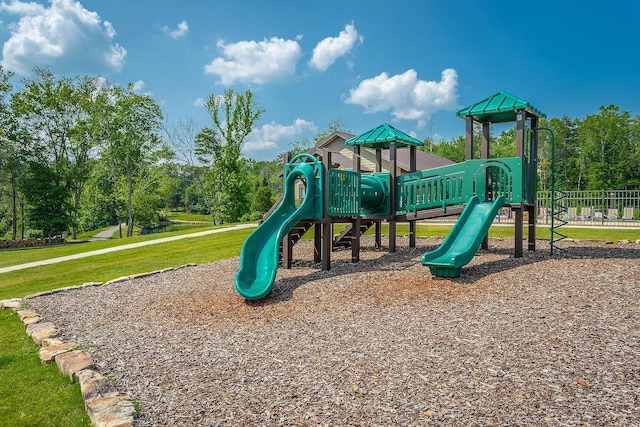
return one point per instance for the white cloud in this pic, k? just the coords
(199, 102)
(137, 86)
(268, 136)
(266, 61)
(405, 95)
(327, 51)
(180, 31)
(64, 36)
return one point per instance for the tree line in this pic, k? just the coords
(77, 154)
(81, 153)
(599, 151)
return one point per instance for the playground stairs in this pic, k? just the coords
(343, 240)
(296, 233)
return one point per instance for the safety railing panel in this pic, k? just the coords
(344, 193)
(456, 184)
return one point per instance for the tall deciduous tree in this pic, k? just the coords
(606, 142)
(10, 162)
(48, 111)
(127, 124)
(233, 116)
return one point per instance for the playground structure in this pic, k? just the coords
(475, 189)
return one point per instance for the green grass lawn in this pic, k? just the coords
(181, 216)
(121, 263)
(24, 255)
(33, 394)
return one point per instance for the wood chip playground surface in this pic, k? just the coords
(528, 341)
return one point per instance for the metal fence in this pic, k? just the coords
(598, 208)
(595, 207)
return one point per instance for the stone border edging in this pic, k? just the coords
(104, 405)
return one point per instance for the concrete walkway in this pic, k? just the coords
(106, 234)
(122, 248)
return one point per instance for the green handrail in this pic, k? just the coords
(456, 184)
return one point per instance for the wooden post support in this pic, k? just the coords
(468, 152)
(520, 133)
(317, 242)
(287, 251)
(412, 224)
(392, 195)
(355, 222)
(287, 243)
(327, 226)
(378, 226)
(485, 152)
(520, 143)
(517, 249)
(533, 184)
(532, 228)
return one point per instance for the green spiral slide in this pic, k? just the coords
(465, 237)
(259, 257)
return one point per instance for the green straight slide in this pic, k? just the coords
(259, 257)
(465, 237)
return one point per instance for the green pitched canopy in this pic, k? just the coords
(499, 108)
(382, 137)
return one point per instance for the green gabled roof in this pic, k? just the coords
(499, 108)
(382, 137)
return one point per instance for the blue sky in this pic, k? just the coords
(408, 63)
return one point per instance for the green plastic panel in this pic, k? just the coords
(344, 193)
(456, 184)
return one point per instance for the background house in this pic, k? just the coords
(342, 156)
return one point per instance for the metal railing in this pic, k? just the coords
(592, 208)
(595, 207)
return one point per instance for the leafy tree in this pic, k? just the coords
(127, 126)
(453, 150)
(262, 198)
(193, 149)
(10, 159)
(332, 126)
(100, 202)
(48, 113)
(46, 198)
(233, 116)
(606, 143)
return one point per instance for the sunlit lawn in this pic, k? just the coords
(24, 255)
